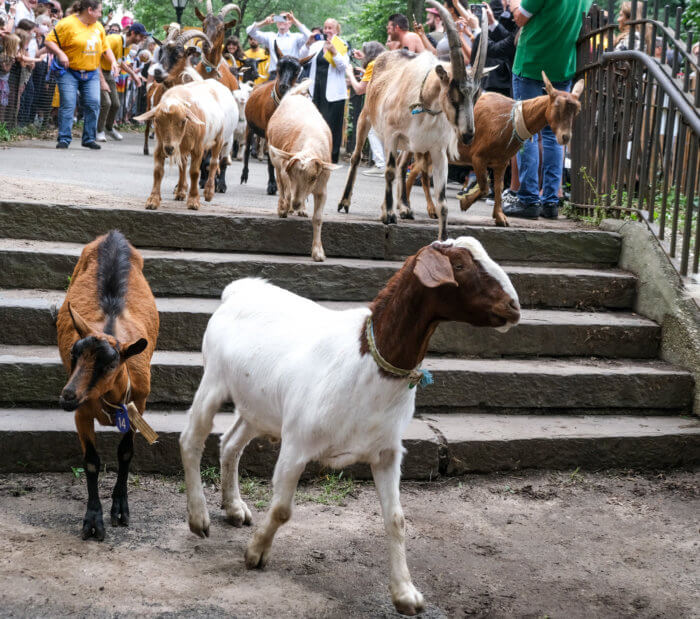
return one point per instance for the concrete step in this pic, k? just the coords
(36, 440)
(28, 319)
(204, 231)
(48, 265)
(34, 375)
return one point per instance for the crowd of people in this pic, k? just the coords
(98, 69)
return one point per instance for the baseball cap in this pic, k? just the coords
(139, 28)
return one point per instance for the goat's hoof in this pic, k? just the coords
(256, 559)
(408, 600)
(152, 204)
(302, 214)
(390, 218)
(145, 151)
(221, 188)
(208, 195)
(93, 525)
(344, 204)
(432, 213)
(193, 205)
(318, 255)
(119, 513)
(407, 214)
(180, 196)
(239, 515)
(502, 222)
(244, 178)
(200, 527)
(271, 189)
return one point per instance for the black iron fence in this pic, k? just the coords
(636, 141)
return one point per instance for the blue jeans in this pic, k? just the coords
(70, 87)
(528, 157)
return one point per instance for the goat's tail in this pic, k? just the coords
(239, 286)
(302, 88)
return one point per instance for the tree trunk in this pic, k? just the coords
(415, 10)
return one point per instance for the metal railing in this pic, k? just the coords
(636, 140)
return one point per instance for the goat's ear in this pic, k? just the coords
(191, 51)
(433, 268)
(577, 89)
(81, 325)
(133, 349)
(200, 16)
(306, 59)
(278, 152)
(328, 166)
(278, 51)
(191, 116)
(442, 74)
(230, 23)
(548, 85)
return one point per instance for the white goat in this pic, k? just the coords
(299, 143)
(241, 96)
(318, 386)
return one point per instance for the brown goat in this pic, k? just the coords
(496, 140)
(107, 331)
(170, 69)
(261, 105)
(213, 66)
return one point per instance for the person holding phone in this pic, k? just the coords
(327, 74)
(289, 43)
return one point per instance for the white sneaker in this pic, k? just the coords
(101, 136)
(115, 135)
(509, 197)
(374, 172)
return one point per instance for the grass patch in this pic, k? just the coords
(331, 489)
(211, 475)
(78, 471)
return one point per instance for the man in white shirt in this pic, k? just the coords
(24, 9)
(289, 43)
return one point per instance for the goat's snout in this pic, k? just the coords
(169, 150)
(564, 138)
(467, 137)
(68, 400)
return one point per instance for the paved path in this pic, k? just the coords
(120, 174)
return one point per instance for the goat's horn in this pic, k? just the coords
(192, 34)
(459, 71)
(227, 9)
(480, 61)
(210, 9)
(172, 30)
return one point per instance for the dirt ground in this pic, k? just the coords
(528, 545)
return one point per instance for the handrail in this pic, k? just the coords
(688, 110)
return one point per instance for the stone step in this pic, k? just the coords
(34, 375)
(48, 265)
(38, 440)
(28, 319)
(204, 231)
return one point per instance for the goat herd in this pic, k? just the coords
(338, 387)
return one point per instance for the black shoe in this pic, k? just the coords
(550, 210)
(61, 144)
(92, 145)
(524, 211)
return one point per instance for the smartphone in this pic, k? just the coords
(476, 9)
(318, 37)
(280, 18)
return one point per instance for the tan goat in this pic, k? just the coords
(299, 143)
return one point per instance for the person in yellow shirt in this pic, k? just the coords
(369, 53)
(259, 53)
(78, 43)
(109, 106)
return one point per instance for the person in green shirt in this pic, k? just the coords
(547, 43)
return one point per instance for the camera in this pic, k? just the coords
(318, 37)
(279, 18)
(476, 9)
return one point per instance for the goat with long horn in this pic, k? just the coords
(418, 104)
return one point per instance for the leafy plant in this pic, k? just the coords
(211, 475)
(333, 490)
(78, 471)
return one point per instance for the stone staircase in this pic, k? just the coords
(577, 384)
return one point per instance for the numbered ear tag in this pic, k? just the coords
(121, 419)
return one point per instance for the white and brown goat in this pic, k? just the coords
(319, 386)
(107, 331)
(189, 120)
(418, 104)
(299, 144)
(502, 125)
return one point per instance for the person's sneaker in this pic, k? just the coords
(374, 172)
(523, 211)
(92, 145)
(508, 197)
(550, 210)
(101, 137)
(61, 144)
(115, 135)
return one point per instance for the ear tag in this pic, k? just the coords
(121, 419)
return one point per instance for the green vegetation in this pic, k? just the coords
(78, 471)
(332, 489)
